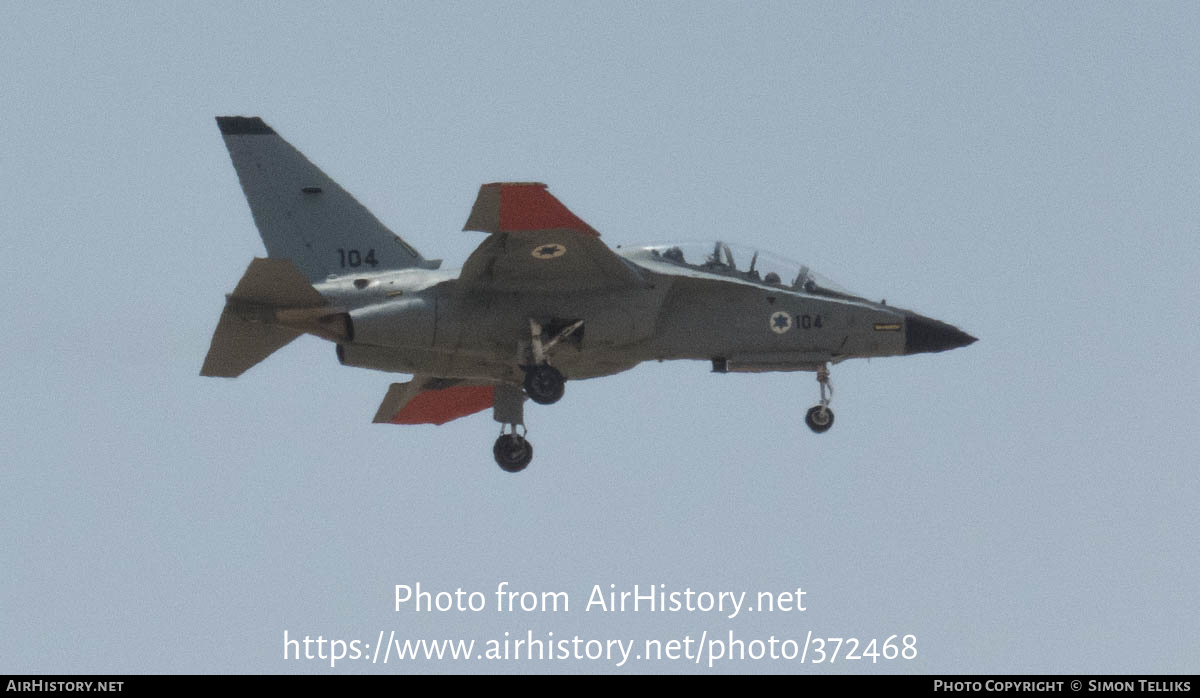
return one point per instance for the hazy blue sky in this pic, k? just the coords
(1028, 172)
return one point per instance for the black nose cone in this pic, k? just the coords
(923, 335)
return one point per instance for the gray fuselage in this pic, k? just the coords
(421, 321)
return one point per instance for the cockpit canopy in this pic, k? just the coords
(743, 262)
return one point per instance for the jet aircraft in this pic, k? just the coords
(540, 301)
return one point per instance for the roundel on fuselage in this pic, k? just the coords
(780, 322)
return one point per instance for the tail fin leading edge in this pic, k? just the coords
(302, 214)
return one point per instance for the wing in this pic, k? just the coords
(428, 400)
(536, 244)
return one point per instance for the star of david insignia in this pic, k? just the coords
(780, 322)
(549, 251)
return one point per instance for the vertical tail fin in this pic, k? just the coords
(302, 214)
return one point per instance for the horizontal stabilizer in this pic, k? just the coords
(276, 282)
(239, 344)
(247, 333)
(425, 400)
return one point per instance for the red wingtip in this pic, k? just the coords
(514, 207)
(441, 406)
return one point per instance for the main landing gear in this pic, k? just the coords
(543, 383)
(512, 450)
(820, 417)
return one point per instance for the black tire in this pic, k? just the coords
(512, 453)
(817, 421)
(544, 384)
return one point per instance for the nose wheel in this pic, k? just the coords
(512, 451)
(820, 417)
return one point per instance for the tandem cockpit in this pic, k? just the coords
(741, 262)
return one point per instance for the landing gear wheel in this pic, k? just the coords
(512, 452)
(819, 419)
(544, 384)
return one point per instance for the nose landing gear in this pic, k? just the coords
(820, 417)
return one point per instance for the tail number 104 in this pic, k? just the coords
(355, 258)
